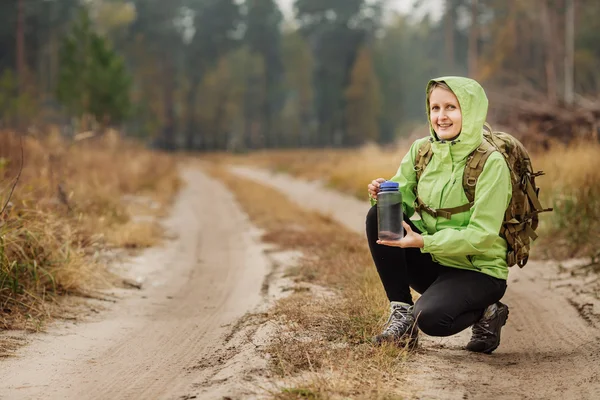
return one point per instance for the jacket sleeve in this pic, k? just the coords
(492, 196)
(407, 179)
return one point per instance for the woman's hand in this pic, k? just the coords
(374, 187)
(410, 239)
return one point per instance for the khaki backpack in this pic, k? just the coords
(521, 217)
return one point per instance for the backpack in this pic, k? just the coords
(521, 216)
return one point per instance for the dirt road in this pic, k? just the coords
(550, 346)
(170, 339)
(159, 341)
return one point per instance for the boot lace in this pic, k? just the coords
(481, 331)
(399, 322)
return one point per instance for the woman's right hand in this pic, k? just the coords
(373, 187)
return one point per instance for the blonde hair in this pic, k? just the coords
(441, 85)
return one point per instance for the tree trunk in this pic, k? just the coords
(220, 134)
(20, 36)
(449, 26)
(249, 114)
(305, 138)
(168, 133)
(569, 51)
(473, 40)
(551, 77)
(266, 117)
(191, 129)
(20, 44)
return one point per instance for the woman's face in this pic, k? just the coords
(445, 114)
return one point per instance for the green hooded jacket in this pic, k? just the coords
(469, 240)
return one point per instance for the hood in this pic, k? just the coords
(474, 106)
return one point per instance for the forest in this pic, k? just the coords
(236, 75)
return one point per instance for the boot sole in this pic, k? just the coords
(495, 346)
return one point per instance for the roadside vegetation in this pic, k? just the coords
(74, 202)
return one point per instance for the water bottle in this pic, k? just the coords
(389, 212)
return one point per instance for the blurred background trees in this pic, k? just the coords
(239, 74)
(92, 79)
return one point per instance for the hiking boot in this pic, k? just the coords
(400, 327)
(486, 332)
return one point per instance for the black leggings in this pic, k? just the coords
(451, 299)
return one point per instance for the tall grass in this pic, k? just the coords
(571, 185)
(66, 208)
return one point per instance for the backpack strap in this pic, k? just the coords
(441, 212)
(474, 167)
(488, 127)
(422, 158)
(533, 197)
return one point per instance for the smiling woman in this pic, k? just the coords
(453, 255)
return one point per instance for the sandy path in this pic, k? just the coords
(150, 345)
(548, 350)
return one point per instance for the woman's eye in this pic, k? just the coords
(451, 107)
(435, 108)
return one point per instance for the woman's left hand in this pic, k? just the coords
(410, 239)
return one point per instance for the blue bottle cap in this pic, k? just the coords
(389, 186)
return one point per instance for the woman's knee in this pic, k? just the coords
(432, 320)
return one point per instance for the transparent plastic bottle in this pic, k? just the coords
(389, 212)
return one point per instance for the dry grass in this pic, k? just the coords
(135, 235)
(322, 349)
(571, 185)
(67, 208)
(348, 170)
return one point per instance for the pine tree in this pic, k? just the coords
(93, 80)
(363, 100)
(298, 109)
(109, 85)
(263, 37)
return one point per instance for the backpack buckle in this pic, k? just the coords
(424, 207)
(471, 181)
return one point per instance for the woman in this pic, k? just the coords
(458, 265)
